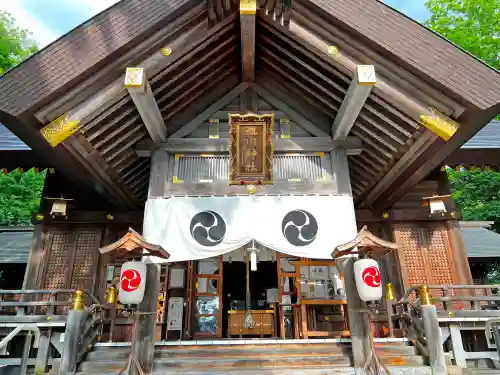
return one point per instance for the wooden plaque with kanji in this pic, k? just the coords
(250, 148)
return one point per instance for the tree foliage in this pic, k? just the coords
(478, 195)
(15, 43)
(473, 25)
(20, 195)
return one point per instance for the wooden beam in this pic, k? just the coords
(248, 10)
(221, 188)
(295, 116)
(310, 37)
(420, 145)
(472, 121)
(359, 90)
(352, 145)
(222, 102)
(403, 215)
(93, 217)
(182, 35)
(139, 89)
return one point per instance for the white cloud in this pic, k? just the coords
(41, 33)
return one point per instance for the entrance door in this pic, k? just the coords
(208, 298)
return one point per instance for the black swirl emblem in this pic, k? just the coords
(299, 227)
(207, 228)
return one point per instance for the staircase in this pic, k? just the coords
(261, 359)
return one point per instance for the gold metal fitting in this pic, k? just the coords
(386, 215)
(166, 51)
(109, 217)
(39, 217)
(425, 295)
(251, 189)
(333, 50)
(79, 300)
(389, 292)
(112, 295)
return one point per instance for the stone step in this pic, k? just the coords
(203, 364)
(480, 371)
(257, 351)
(395, 370)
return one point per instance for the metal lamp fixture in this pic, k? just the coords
(436, 204)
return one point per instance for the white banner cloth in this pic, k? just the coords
(192, 228)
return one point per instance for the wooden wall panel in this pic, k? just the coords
(85, 259)
(56, 259)
(426, 254)
(410, 255)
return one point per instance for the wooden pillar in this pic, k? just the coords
(340, 171)
(459, 253)
(72, 339)
(358, 322)
(159, 173)
(144, 345)
(42, 355)
(31, 275)
(433, 335)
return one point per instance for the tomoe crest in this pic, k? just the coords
(207, 228)
(299, 227)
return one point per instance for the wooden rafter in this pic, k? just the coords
(139, 89)
(179, 44)
(133, 244)
(295, 116)
(248, 10)
(365, 241)
(311, 39)
(361, 85)
(222, 102)
(352, 145)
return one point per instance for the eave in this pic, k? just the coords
(293, 66)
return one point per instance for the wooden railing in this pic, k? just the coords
(79, 313)
(452, 308)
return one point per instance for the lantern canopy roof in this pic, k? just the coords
(364, 242)
(132, 244)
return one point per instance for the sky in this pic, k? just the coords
(49, 19)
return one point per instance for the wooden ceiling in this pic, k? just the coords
(292, 59)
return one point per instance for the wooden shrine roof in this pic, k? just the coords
(83, 71)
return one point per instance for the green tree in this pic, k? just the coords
(15, 43)
(20, 195)
(478, 195)
(473, 25)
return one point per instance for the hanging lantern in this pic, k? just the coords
(132, 283)
(253, 261)
(368, 280)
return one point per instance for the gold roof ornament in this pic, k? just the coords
(438, 123)
(248, 6)
(60, 129)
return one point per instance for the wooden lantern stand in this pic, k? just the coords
(143, 337)
(364, 245)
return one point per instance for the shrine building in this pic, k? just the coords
(250, 152)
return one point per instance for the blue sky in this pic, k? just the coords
(49, 19)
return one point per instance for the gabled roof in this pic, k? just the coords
(479, 241)
(9, 142)
(15, 244)
(83, 73)
(487, 137)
